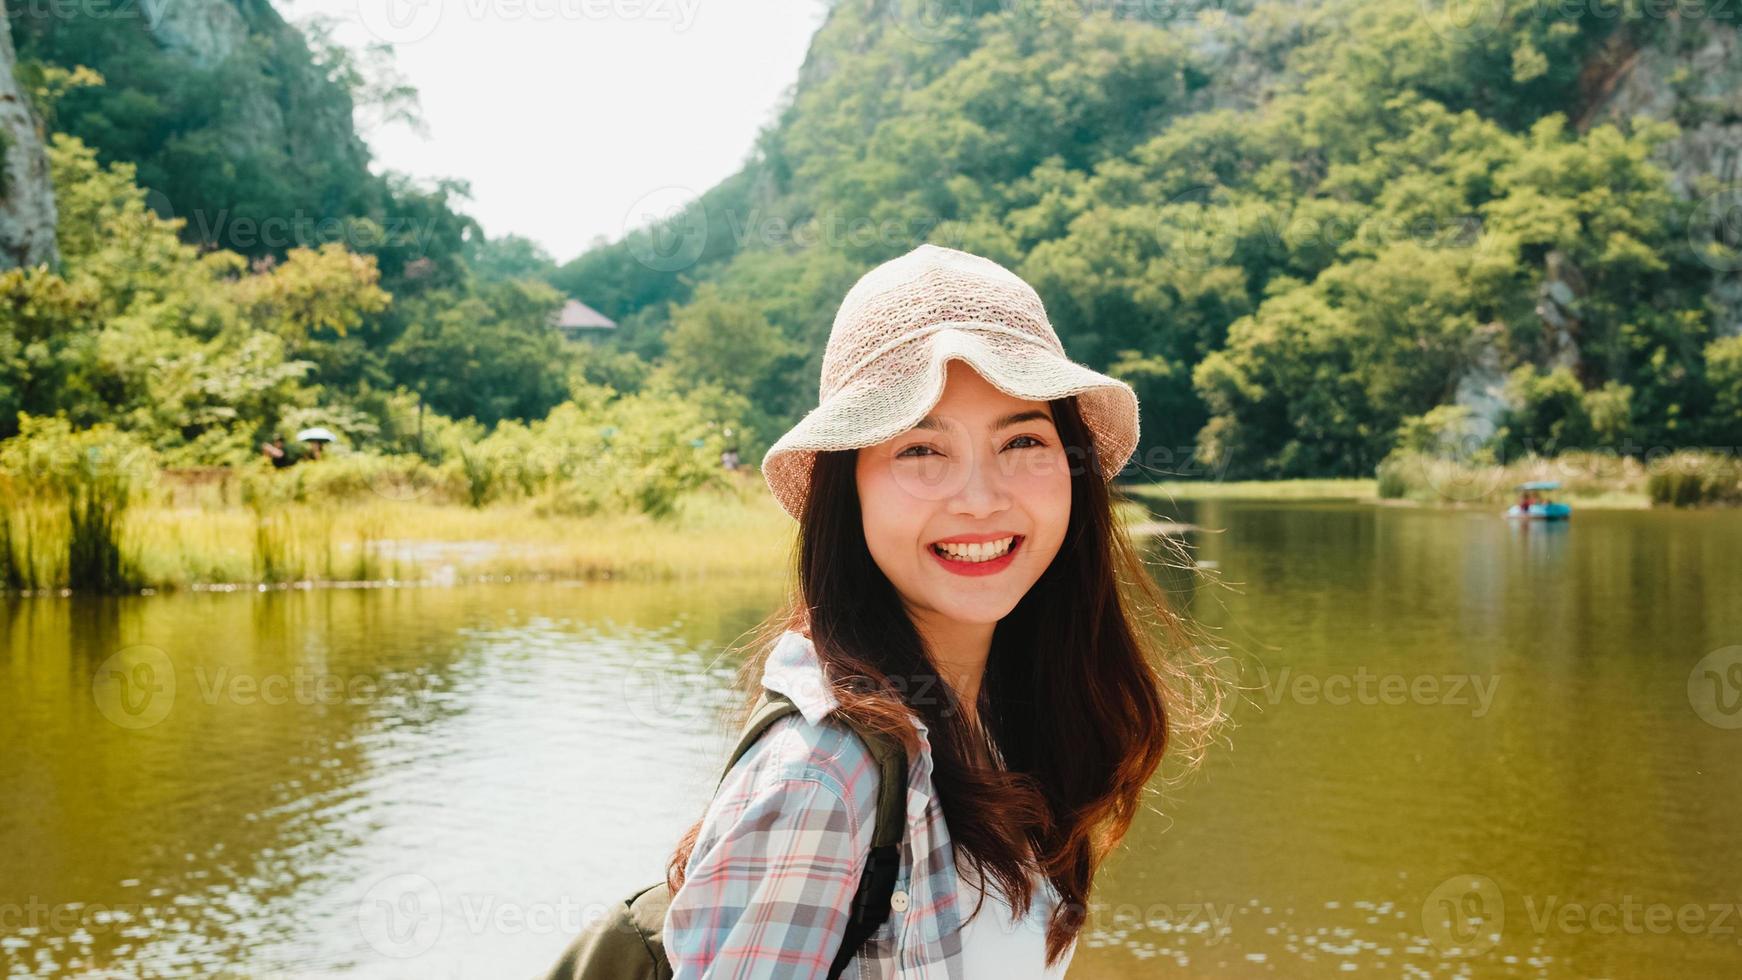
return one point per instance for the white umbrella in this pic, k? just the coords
(316, 434)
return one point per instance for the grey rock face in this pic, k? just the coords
(1691, 75)
(27, 212)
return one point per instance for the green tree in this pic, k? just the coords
(489, 357)
(723, 341)
(1724, 372)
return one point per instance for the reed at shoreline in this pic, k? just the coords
(217, 529)
(714, 531)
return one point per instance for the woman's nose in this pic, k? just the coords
(982, 486)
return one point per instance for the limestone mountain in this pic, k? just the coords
(1297, 229)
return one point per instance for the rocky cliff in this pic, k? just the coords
(27, 215)
(234, 119)
(1690, 74)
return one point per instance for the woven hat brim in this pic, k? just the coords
(862, 415)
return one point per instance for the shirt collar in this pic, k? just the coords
(795, 670)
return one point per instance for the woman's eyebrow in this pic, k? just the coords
(1002, 422)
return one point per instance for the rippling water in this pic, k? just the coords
(1467, 748)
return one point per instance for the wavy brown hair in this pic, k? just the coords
(1091, 678)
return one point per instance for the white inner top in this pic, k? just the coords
(997, 947)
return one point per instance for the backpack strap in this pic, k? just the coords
(870, 908)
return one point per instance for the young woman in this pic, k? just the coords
(963, 586)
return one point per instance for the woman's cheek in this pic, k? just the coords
(1043, 480)
(892, 517)
(1046, 490)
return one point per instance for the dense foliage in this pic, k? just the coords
(1302, 232)
(1296, 230)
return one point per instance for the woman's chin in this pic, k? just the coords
(982, 613)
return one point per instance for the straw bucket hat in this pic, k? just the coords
(901, 322)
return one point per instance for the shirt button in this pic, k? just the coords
(898, 901)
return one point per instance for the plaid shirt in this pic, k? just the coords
(767, 888)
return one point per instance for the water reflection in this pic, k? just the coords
(323, 752)
(1454, 728)
(1536, 750)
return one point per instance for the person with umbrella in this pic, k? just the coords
(314, 438)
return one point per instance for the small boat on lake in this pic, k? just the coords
(1532, 507)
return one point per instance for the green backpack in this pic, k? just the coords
(626, 944)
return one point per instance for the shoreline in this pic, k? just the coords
(1363, 490)
(380, 542)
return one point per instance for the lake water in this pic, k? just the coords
(1467, 748)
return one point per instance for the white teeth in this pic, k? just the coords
(977, 552)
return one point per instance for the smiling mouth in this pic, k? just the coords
(974, 554)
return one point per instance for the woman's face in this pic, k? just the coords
(969, 472)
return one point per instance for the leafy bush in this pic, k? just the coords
(1691, 478)
(1392, 481)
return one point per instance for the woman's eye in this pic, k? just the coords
(924, 450)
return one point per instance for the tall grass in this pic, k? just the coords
(1329, 488)
(18, 567)
(266, 497)
(97, 497)
(66, 503)
(1593, 478)
(272, 562)
(1693, 478)
(733, 530)
(481, 477)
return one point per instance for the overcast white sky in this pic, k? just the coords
(564, 114)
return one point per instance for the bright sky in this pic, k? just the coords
(579, 118)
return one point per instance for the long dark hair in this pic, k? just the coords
(1090, 679)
